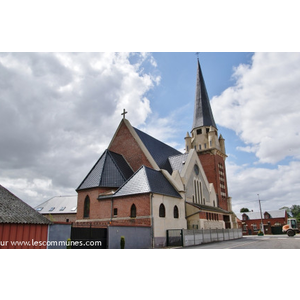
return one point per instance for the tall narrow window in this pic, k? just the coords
(132, 211)
(201, 192)
(86, 208)
(162, 211)
(176, 213)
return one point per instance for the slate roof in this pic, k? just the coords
(146, 180)
(209, 208)
(203, 115)
(256, 215)
(58, 205)
(177, 162)
(14, 210)
(158, 150)
(111, 170)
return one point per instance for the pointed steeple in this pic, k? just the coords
(202, 112)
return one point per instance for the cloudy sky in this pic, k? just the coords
(60, 110)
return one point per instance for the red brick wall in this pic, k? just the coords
(101, 209)
(125, 144)
(272, 221)
(98, 210)
(210, 165)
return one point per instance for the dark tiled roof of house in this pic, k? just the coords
(111, 170)
(14, 210)
(158, 150)
(146, 180)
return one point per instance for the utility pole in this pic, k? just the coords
(261, 224)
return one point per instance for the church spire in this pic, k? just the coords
(202, 112)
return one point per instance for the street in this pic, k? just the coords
(255, 242)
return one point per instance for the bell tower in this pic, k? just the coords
(209, 146)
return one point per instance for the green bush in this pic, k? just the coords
(69, 243)
(122, 242)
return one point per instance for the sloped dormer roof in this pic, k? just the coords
(146, 180)
(203, 115)
(111, 170)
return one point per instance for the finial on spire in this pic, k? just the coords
(124, 113)
(197, 54)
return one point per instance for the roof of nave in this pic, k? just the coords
(158, 150)
(14, 210)
(146, 180)
(111, 170)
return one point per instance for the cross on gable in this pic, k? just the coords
(124, 113)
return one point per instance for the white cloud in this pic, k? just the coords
(276, 187)
(59, 112)
(263, 107)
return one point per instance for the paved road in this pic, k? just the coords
(255, 242)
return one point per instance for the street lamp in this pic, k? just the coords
(261, 224)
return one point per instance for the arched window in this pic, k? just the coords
(162, 211)
(86, 208)
(133, 211)
(176, 212)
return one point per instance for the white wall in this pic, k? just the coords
(168, 222)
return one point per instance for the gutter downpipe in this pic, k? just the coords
(152, 222)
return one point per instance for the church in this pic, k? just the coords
(140, 182)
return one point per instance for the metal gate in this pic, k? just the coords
(88, 238)
(174, 237)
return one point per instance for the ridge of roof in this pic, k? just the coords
(203, 115)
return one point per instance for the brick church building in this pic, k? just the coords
(140, 182)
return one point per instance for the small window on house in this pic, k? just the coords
(39, 208)
(62, 208)
(115, 212)
(162, 211)
(207, 130)
(176, 212)
(199, 131)
(133, 211)
(86, 209)
(205, 146)
(200, 147)
(52, 208)
(74, 208)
